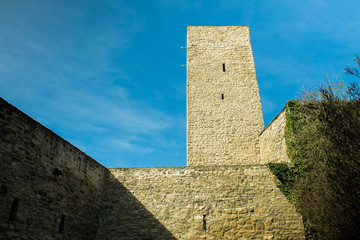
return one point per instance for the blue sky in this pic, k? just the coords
(106, 75)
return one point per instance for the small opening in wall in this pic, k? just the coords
(14, 209)
(62, 223)
(204, 222)
(57, 172)
(222, 96)
(223, 67)
(3, 189)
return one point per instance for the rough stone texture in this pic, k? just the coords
(272, 141)
(49, 177)
(229, 202)
(222, 131)
(62, 193)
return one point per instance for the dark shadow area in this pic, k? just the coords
(49, 188)
(125, 217)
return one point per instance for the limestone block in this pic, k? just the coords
(224, 116)
(272, 141)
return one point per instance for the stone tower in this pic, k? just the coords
(224, 115)
(49, 189)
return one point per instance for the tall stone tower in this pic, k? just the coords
(224, 116)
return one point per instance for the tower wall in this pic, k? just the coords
(224, 116)
(49, 189)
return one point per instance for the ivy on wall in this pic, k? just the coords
(286, 174)
(322, 135)
(323, 180)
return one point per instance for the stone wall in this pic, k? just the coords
(229, 202)
(49, 188)
(272, 141)
(224, 116)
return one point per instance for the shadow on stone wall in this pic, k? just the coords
(49, 189)
(124, 217)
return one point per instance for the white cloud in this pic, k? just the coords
(56, 63)
(126, 144)
(119, 92)
(129, 115)
(268, 106)
(184, 4)
(62, 38)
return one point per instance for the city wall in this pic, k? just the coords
(222, 202)
(49, 189)
(272, 141)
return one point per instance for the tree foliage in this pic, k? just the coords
(323, 142)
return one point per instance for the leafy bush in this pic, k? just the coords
(323, 142)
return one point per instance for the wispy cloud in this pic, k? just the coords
(57, 61)
(101, 73)
(184, 4)
(128, 114)
(129, 145)
(268, 106)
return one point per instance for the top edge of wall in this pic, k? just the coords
(6, 105)
(218, 26)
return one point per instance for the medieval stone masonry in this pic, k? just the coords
(51, 190)
(224, 116)
(272, 141)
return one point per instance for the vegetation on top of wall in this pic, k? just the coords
(287, 174)
(323, 142)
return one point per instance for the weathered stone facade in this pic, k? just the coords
(224, 116)
(272, 141)
(222, 202)
(51, 190)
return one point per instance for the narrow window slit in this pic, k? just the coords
(222, 96)
(57, 172)
(14, 209)
(62, 223)
(223, 67)
(204, 222)
(3, 189)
